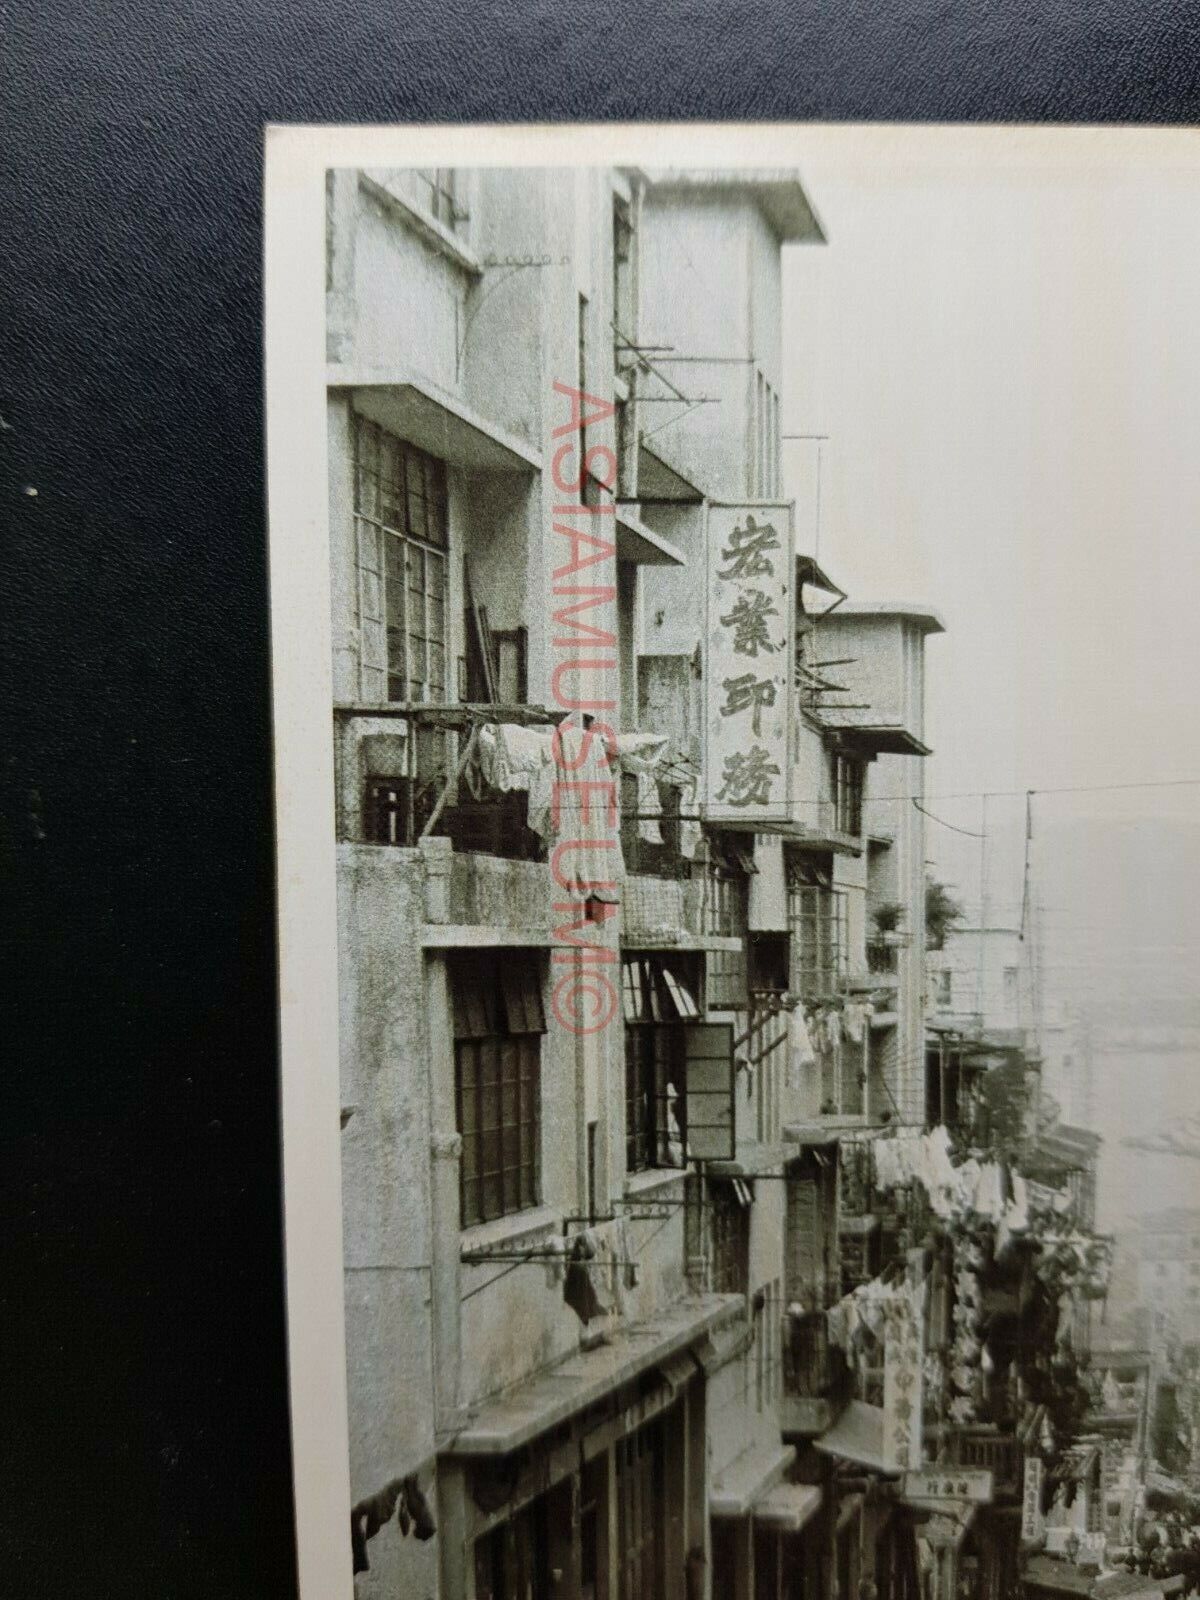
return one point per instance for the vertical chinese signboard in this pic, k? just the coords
(903, 1379)
(1033, 1524)
(748, 666)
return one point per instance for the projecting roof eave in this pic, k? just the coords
(924, 617)
(877, 738)
(778, 193)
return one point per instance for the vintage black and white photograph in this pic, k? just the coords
(735, 661)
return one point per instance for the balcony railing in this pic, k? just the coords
(1000, 1453)
(815, 1379)
(881, 957)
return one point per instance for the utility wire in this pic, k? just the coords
(970, 832)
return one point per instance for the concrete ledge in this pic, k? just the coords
(498, 1427)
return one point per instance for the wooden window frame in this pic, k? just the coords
(402, 531)
(498, 1024)
(657, 1006)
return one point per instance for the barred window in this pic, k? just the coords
(848, 783)
(730, 1237)
(498, 1026)
(402, 534)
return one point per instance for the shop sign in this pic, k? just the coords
(971, 1484)
(748, 662)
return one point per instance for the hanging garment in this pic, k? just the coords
(887, 1167)
(649, 807)
(416, 1508)
(590, 863)
(675, 1139)
(855, 1022)
(579, 1292)
(690, 835)
(801, 1057)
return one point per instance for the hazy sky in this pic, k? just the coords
(1002, 339)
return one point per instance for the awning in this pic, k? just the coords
(636, 542)
(857, 1436)
(788, 1506)
(660, 483)
(434, 420)
(498, 1427)
(737, 1488)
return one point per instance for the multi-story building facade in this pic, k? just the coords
(631, 1012)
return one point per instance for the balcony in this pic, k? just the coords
(814, 1376)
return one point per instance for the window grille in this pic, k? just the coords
(848, 783)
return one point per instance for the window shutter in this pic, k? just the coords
(708, 1049)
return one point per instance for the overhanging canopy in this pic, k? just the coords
(434, 420)
(857, 1436)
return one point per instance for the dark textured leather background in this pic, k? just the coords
(144, 1427)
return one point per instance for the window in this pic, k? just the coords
(730, 1236)
(442, 185)
(402, 533)
(658, 995)
(817, 923)
(622, 283)
(498, 1024)
(1010, 986)
(726, 907)
(942, 987)
(848, 776)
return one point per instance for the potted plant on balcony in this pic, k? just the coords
(887, 936)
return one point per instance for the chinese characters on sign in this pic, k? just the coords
(903, 1379)
(748, 662)
(1032, 1522)
(973, 1484)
